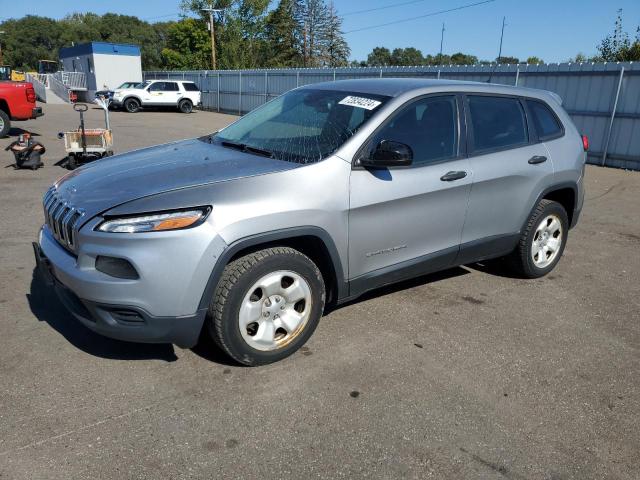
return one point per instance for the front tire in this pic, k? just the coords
(266, 305)
(5, 124)
(132, 105)
(542, 242)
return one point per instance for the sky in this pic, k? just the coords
(554, 30)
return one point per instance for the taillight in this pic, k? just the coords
(585, 142)
(31, 95)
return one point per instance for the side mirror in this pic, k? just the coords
(389, 153)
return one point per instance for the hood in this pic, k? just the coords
(112, 181)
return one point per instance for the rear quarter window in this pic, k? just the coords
(545, 121)
(498, 122)
(190, 87)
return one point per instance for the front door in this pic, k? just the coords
(408, 220)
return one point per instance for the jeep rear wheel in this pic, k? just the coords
(185, 106)
(5, 124)
(131, 105)
(542, 242)
(266, 305)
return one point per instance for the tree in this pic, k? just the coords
(508, 60)
(534, 60)
(188, 46)
(282, 47)
(618, 47)
(379, 57)
(336, 47)
(312, 16)
(409, 56)
(463, 59)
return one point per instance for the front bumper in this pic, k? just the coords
(161, 306)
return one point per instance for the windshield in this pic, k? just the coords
(302, 126)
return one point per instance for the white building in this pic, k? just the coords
(106, 65)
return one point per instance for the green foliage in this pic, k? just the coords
(188, 46)
(508, 60)
(282, 48)
(379, 57)
(534, 60)
(32, 38)
(463, 59)
(618, 47)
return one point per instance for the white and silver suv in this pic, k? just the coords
(158, 93)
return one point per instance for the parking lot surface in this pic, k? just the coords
(464, 374)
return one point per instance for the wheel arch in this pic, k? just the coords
(566, 194)
(129, 97)
(4, 106)
(314, 242)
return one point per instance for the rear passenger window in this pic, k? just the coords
(190, 87)
(428, 125)
(170, 86)
(498, 122)
(545, 121)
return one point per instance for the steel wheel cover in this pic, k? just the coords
(275, 310)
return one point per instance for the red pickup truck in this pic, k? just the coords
(17, 102)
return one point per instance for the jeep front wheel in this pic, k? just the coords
(132, 105)
(266, 305)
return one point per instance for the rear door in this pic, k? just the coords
(408, 220)
(192, 92)
(510, 168)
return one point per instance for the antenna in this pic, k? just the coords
(499, 51)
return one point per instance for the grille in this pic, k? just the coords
(62, 219)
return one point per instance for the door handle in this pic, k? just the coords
(451, 176)
(537, 159)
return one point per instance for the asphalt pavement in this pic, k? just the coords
(468, 373)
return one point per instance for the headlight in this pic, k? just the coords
(156, 222)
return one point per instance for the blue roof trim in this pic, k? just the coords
(101, 48)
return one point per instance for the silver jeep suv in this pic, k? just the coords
(249, 234)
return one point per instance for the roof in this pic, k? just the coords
(100, 48)
(395, 87)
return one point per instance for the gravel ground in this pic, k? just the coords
(463, 374)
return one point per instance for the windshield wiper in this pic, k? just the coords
(247, 148)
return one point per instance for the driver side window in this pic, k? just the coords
(429, 126)
(156, 87)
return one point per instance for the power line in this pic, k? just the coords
(432, 14)
(162, 16)
(367, 10)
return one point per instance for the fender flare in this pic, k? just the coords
(558, 186)
(132, 96)
(270, 237)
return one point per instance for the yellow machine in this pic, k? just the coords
(44, 67)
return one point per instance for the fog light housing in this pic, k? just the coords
(116, 267)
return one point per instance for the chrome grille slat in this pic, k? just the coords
(62, 219)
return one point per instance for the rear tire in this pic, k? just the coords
(5, 124)
(132, 105)
(266, 305)
(185, 106)
(542, 242)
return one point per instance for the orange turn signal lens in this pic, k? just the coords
(175, 223)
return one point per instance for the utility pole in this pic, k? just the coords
(501, 37)
(1, 33)
(212, 29)
(441, 41)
